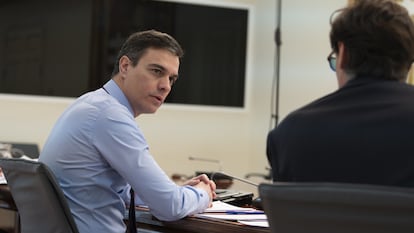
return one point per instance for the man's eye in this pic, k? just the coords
(157, 71)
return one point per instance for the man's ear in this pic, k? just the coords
(123, 65)
(342, 59)
(342, 56)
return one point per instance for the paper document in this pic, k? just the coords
(222, 207)
(234, 217)
(258, 223)
(2, 178)
(225, 211)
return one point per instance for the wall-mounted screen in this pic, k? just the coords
(68, 47)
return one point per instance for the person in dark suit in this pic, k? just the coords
(362, 132)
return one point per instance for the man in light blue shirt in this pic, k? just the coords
(97, 151)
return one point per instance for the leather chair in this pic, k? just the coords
(40, 202)
(337, 207)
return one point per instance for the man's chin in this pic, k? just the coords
(153, 109)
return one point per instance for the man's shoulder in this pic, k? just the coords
(96, 106)
(97, 100)
(312, 112)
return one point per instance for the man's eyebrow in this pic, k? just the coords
(157, 66)
(162, 68)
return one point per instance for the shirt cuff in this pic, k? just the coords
(202, 197)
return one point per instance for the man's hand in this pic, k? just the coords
(203, 182)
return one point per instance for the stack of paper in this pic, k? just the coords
(2, 178)
(225, 211)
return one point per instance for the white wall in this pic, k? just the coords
(236, 137)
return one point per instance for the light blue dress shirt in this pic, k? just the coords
(96, 151)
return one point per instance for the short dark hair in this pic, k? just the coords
(138, 43)
(378, 36)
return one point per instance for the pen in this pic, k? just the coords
(244, 212)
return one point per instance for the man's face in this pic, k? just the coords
(148, 83)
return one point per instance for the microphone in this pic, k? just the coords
(256, 203)
(206, 160)
(267, 176)
(234, 177)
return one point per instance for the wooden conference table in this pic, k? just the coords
(144, 220)
(6, 199)
(7, 203)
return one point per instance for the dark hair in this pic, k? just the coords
(378, 36)
(138, 43)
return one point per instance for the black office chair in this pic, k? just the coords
(338, 208)
(40, 202)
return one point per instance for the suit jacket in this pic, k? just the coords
(362, 133)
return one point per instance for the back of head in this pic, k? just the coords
(137, 43)
(378, 36)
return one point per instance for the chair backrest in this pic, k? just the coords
(337, 207)
(40, 202)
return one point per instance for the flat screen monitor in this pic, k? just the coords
(68, 47)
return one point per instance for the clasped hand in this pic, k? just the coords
(203, 182)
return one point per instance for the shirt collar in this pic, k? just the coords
(113, 89)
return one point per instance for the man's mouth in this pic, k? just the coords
(159, 98)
